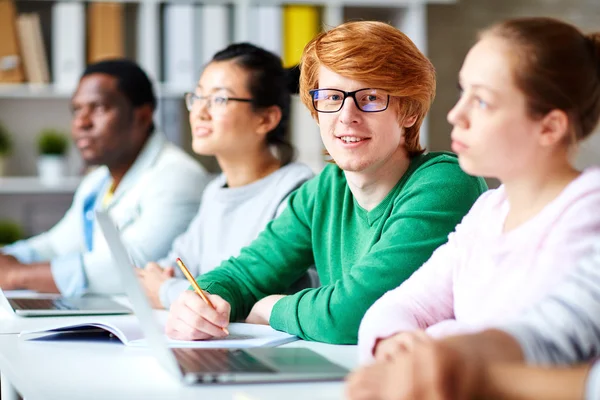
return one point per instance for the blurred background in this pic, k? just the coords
(44, 46)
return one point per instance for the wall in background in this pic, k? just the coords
(33, 116)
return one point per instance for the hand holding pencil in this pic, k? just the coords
(194, 316)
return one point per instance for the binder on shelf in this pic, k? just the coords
(148, 38)
(68, 43)
(106, 36)
(216, 30)
(11, 61)
(269, 26)
(179, 46)
(198, 50)
(300, 24)
(172, 117)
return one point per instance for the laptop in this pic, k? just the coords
(194, 365)
(56, 306)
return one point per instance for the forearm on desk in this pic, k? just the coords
(36, 277)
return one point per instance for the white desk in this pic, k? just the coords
(109, 370)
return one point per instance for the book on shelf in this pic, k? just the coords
(11, 62)
(106, 36)
(127, 329)
(41, 58)
(32, 47)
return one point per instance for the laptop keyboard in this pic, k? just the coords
(41, 304)
(217, 361)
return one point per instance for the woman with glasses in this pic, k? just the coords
(239, 113)
(530, 92)
(371, 217)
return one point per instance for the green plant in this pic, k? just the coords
(5, 141)
(10, 232)
(52, 142)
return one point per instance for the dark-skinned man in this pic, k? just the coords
(150, 187)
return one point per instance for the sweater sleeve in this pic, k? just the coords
(564, 327)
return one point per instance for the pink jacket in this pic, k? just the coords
(483, 276)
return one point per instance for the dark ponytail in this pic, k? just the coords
(269, 85)
(593, 40)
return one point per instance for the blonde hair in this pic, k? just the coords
(382, 57)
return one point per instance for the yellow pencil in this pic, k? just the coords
(197, 288)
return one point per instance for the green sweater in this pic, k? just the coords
(358, 254)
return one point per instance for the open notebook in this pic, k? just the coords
(128, 330)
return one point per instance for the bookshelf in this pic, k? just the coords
(144, 38)
(27, 108)
(50, 91)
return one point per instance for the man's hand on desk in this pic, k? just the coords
(38, 276)
(6, 259)
(261, 312)
(8, 273)
(151, 278)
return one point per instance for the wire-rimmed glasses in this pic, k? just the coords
(216, 100)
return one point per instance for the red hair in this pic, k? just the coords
(382, 57)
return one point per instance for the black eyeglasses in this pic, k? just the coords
(366, 100)
(219, 101)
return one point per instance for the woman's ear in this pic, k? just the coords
(554, 128)
(269, 118)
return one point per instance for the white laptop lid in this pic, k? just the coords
(136, 295)
(289, 364)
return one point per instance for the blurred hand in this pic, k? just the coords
(6, 259)
(9, 267)
(152, 277)
(190, 318)
(389, 348)
(423, 369)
